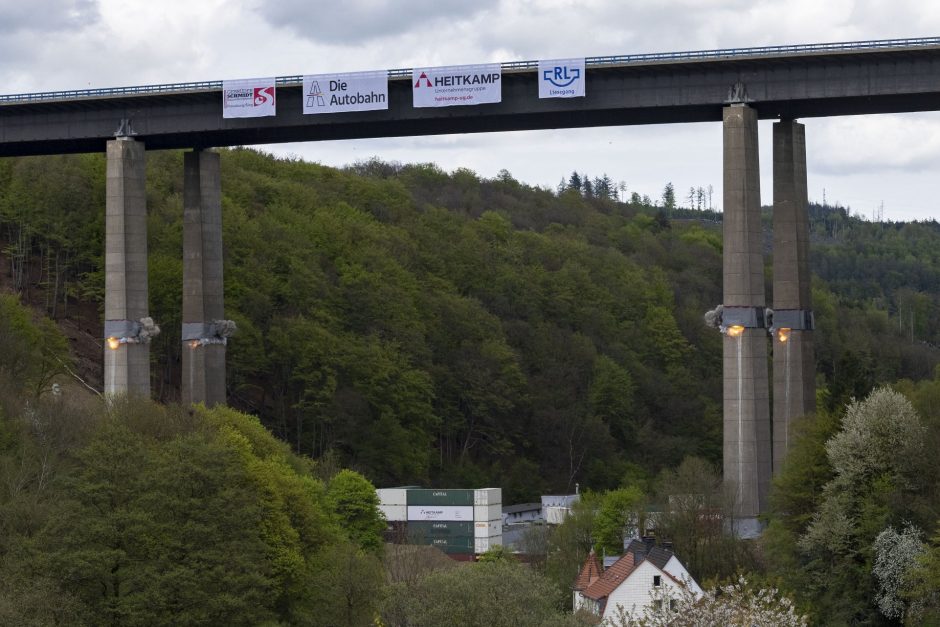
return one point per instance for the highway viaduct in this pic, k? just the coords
(735, 87)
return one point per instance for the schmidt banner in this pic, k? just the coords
(336, 93)
(561, 78)
(457, 85)
(248, 98)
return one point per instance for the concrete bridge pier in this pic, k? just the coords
(205, 331)
(747, 443)
(127, 327)
(793, 355)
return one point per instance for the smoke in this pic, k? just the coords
(713, 317)
(225, 328)
(148, 330)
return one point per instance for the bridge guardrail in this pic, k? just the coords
(720, 53)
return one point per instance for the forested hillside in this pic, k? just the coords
(430, 327)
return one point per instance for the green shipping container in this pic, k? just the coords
(452, 544)
(440, 497)
(439, 529)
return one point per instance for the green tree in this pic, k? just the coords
(669, 197)
(876, 453)
(569, 544)
(621, 512)
(612, 397)
(495, 594)
(356, 503)
(163, 534)
(574, 181)
(877, 463)
(496, 554)
(922, 591)
(347, 587)
(796, 493)
(31, 353)
(154, 515)
(693, 506)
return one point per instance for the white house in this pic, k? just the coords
(643, 575)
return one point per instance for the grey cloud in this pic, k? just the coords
(607, 28)
(46, 15)
(907, 142)
(353, 22)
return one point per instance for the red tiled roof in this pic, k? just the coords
(611, 578)
(591, 571)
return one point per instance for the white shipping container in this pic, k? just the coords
(488, 496)
(482, 545)
(394, 513)
(486, 513)
(440, 512)
(490, 529)
(392, 496)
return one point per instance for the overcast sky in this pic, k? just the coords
(859, 161)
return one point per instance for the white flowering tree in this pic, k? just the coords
(876, 453)
(734, 604)
(896, 556)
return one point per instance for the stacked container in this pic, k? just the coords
(393, 502)
(487, 519)
(459, 522)
(441, 518)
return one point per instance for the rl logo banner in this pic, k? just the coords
(561, 78)
(248, 98)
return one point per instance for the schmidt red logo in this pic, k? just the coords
(263, 95)
(423, 76)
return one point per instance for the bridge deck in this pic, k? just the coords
(783, 81)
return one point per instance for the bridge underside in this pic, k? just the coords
(790, 87)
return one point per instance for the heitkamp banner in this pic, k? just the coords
(457, 85)
(561, 78)
(248, 98)
(336, 93)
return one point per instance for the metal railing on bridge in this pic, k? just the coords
(721, 53)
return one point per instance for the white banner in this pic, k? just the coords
(336, 93)
(440, 512)
(457, 85)
(248, 98)
(561, 78)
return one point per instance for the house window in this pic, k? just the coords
(657, 581)
(657, 604)
(673, 604)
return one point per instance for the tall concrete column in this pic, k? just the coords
(747, 454)
(203, 304)
(127, 351)
(794, 360)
